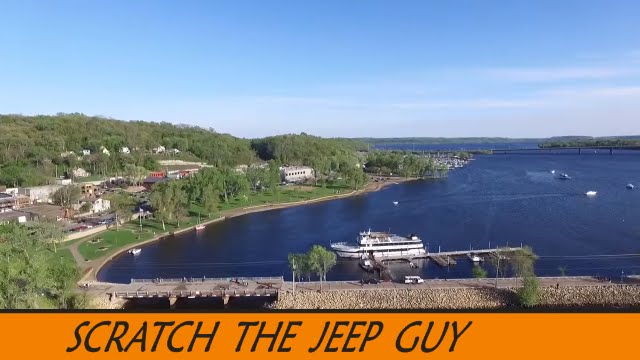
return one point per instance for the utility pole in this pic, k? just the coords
(293, 260)
(497, 269)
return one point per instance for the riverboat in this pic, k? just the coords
(381, 245)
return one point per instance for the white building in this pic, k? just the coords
(296, 173)
(105, 151)
(86, 152)
(158, 150)
(80, 172)
(100, 205)
(125, 150)
(174, 151)
(40, 194)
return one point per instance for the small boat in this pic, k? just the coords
(395, 203)
(366, 264)
(564, 176)
(630, 186)
(199, 226)
(553, 171)
(134, 251)
(591, 193)
(476, 258)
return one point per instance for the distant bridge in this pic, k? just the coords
(568, 149)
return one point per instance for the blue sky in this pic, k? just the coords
(330, 68)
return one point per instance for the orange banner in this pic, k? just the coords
(318, 335)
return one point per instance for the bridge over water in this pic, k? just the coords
(534, 150)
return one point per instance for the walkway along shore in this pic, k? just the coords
(91, 270)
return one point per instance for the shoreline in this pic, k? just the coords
(91, 274)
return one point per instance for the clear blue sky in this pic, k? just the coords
(330, 68)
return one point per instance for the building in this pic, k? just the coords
(14, 216)
(295, 173)
(63, 182)
(98, 205)
(7, 202)
(105, 151)
(86, 152)
(39, 194)
(125, 150)
(10, 191)
(158, 150)
(80, 172)
(46, 211)
(87, 190)
(157, 174)
(174, 151)
(150, 181)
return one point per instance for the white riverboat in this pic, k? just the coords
(134, 251)
(382, 245)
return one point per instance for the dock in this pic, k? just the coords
(446, 258)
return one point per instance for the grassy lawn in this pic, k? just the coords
(130, 233)
(110, 241)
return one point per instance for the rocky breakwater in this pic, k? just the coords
(613, 296)
(472, 298)
(590, 296)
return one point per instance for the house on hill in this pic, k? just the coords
(125, 150)
(80, 172)
(158, 150)
(105, 151)
(86, 152)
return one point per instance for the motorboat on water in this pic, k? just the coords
(199, 226)
(553, 171)
(564, 176)
(395, 203)
(134, 251)
(365, 264)
(476, 258)
(591, 193)
(381, 245)
(630, 186)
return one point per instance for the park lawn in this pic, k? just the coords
(91, 178)
(130, 233)
(64, 255)
(110, 241)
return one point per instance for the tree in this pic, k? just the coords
(122, 205)
(29, 271)
(135, 173)
(210, 197)
(66, 196)
(85, 207)
(478, 272)
(321, 261)
(160, 203)
(528, 294)
(522, 261)
(299, 263)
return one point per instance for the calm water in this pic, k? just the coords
(496, 200)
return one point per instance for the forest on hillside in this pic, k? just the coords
(33, 148)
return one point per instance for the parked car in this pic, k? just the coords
(413, 280)
(370, 281)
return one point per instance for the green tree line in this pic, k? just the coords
(33, 149)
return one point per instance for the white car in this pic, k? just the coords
(413, 280)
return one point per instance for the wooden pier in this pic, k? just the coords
(446, 258)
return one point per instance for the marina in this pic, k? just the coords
(494, 201)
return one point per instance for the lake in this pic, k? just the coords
(496, 200)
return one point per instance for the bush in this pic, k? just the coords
(529, 292)
(478, 272)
